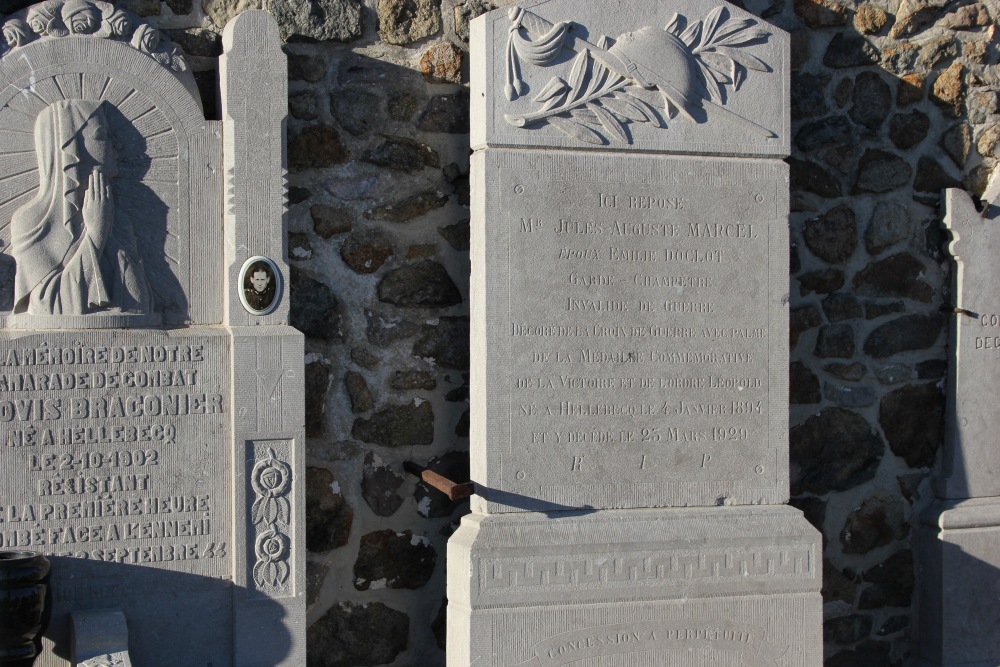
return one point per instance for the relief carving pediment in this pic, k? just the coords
(644, 76)
(686, 76)
(74, 256)
(96, 112)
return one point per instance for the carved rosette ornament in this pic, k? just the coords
(272, 559)
(93, 18)
(271, 480)
(645, 76)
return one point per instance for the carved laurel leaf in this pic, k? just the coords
(741, 38)
(614, 127)
(747, 60)
(654, 116)
(731, 27)
(670, 108)
(711, 23)
(620, 118)
(721, 66)
(677, 24)
(692, 36)
(715, 90)
(598, 78)
(651, 97)
(653, 102)
(557, 86)
(555, 101)
(577, 130)
(739, 75)
(578, 73)
(622, 107)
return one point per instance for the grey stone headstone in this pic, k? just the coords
(151, 391)
(629, 422)
(959, 536)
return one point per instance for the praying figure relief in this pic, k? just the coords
(73, 256)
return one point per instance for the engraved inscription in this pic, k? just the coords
(644, 356)
(660, 636)
(97, 434)
(988, 321)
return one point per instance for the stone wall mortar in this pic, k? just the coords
(892, 101)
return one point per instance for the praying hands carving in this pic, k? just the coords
(73, 256)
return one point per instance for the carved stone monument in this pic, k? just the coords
(151, 391)
(958, 562)
(630, 345)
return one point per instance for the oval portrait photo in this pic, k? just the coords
(261, 285)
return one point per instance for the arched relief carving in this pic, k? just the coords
(163, 148)
(76, 251)
(91, 18)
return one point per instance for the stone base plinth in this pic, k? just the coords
(691, 587)
(959, 577)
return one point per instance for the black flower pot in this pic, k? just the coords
(23, 577)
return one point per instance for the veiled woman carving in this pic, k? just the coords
(73, 257)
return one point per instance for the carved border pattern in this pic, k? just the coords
(54, 19)
(271, 480)
(622, 571)
(646, 76)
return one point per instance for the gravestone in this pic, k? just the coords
(630, 345)
(151, 391)
(958, 558)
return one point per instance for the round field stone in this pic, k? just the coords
(387, 559)
(834, 450)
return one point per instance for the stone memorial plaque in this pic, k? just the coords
(629, 377)
(959, 536)
(151, 426)
(631, 299)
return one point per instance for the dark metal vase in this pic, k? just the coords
(23, 577)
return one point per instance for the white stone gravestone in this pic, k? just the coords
(958, 565)
(630, 345)
(151, 392)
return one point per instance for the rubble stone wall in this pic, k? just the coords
(892, 102)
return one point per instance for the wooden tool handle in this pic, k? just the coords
(453, 490)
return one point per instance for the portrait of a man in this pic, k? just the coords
(260, 286)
